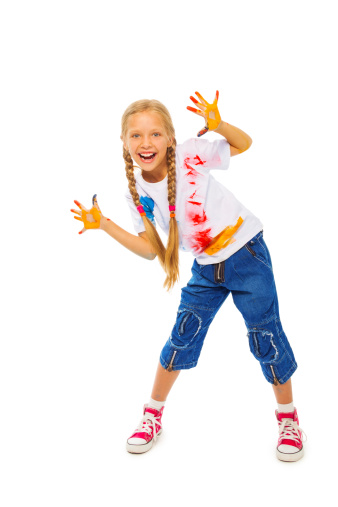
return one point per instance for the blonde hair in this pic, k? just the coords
(169, 256)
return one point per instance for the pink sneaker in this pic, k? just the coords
(291, 436)
(147, 431)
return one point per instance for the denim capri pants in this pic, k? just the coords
(248, 275)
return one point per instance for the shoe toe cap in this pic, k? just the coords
(136, 441)
(288, 449)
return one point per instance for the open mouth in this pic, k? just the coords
(147, 157)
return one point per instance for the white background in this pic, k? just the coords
(84, 320)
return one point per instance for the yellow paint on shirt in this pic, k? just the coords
(224, 238)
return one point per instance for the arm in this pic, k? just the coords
(239, 141)
(139, 245)
(93, 219)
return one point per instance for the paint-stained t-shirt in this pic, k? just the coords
(212, 223)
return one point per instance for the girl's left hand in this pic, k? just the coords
(209, 112)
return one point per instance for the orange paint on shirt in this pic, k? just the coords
(224, 238)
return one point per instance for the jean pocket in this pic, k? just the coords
(258, 249)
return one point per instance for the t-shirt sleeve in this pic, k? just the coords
(135, 216)
(207, 154)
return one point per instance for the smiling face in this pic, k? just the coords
(147, 141)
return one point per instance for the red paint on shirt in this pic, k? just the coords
(194, 202)
(200, 235)
(196, 218)
(192, 172)
(200, 162)
(201, 240)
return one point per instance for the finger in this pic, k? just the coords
(81, 206)
(74, 211)
(196, 111)
(203, 131)
(198, 104)
(83, 230)
(216, 97)
(95, 203)
(77, 218)
(202, 99)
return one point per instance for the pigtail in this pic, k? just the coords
(152, 233)
(171, 261)
(168, 257)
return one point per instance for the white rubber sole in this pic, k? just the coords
(282, 456)
(140, 449)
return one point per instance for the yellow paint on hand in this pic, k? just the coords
(209, 112)
(91, 218)
(224, 238)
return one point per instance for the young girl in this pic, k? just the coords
(176, 190)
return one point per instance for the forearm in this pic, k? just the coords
(135, 244)
(235, 136)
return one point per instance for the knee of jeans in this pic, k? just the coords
(188, 325)
(263, 345)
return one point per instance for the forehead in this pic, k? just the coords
(145, 120)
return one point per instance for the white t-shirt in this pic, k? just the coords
(212, 223)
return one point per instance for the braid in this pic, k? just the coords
(168, 257)
(152, 233)
(131, 177)
(171, 255)
(171, 173)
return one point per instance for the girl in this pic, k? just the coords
(175, 189)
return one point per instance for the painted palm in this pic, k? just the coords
(90, 218)
(209, 112)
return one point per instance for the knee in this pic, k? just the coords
(263, 345)
(187, 327)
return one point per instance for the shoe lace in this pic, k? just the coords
(148, 424)
(290, 430)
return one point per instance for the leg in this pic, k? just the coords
(283, 392)
(164, 380)
(257, 300)
(199, 304)
(251, 281)
(200, 301)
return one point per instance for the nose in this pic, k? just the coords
(146, 143)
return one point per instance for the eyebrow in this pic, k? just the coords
(135, 131)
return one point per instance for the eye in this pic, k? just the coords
(157, 134)
(135, 135)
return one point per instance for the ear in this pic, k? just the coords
(124, 143)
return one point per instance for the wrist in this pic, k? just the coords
(104, 223)
(220, 126)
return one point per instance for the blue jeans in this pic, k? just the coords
(248, 275)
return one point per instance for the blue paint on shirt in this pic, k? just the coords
(148, 206)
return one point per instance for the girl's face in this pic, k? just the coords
(147, 142)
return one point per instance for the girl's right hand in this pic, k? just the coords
(91, 218)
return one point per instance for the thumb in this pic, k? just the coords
(203, 131)
(95, 203)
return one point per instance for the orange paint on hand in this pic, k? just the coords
(223, 239)
(91, 218)
(209, 112)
